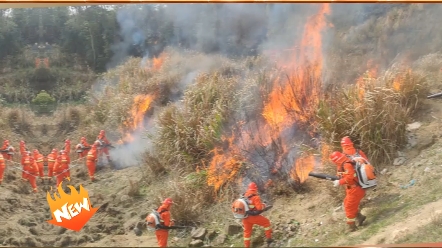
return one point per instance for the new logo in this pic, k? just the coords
(71, 211)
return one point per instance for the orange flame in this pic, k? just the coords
(303, 167)
(398, 81)
(297, 100)
(155, 64)
(287, 104)
(140, 106)
(366, 79)
(70, 211)
(218, 176)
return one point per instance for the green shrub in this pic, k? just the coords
(43, 98)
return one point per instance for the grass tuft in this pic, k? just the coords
(374, 112)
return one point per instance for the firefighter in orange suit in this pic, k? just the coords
(31, 169)
(67, 147)
(65, 160)
(51, 158)
(22, 148)
(61, 167)
(164, 211)
(248, 222)
(39, 159)
(7, 150)
(2, 168)
(349, 149)
(83, 148)
(91, 160)
(103, 142)
(354, 192)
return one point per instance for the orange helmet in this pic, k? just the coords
(35, 151)
(54, 150)
(22, 142)
(168, 201)
(62, 151)
(337, 157)
(102, 132)
(83, 139)
(67, 141)
(346, 141)
(6, 142)
(252, 186)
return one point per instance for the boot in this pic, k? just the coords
(269, 241)
(352, 227)
(360, 218)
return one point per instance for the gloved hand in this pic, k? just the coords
(336, 183)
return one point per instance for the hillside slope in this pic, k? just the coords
(395, 213)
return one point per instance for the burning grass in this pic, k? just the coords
(222, 125)
(374, 112)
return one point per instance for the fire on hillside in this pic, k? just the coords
(270, 145)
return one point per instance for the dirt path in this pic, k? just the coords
(418, 218)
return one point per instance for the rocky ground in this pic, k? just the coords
(406, 202)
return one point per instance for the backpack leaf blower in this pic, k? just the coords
(323, 176)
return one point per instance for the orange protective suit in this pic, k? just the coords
(354, 192)
(83, 148)
(22, 148)
(67, 147)
(61, 168)
(2, 168)
(248, 222)
(7, 150)
(58, 170)
(103, 141)
(66, 160)
(349, 149)
(32, 171)
(39, 159)
(51, 158)
(91, 161)
(163, 234)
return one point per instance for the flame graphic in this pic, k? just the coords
(70, 211)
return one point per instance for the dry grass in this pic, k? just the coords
(374, 114)
(214, 99)
(190, 193)
(186, 134)
(17, 121)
